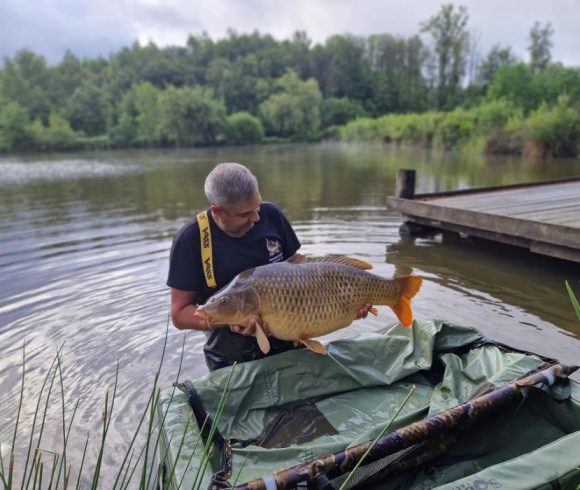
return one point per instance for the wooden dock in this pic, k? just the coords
(543, 217)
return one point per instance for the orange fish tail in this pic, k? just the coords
(410, 286)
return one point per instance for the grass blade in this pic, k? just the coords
(65, 431)
(360, 461)
(41, 432)
(573, 299)
(78, 485)
(192, 452)
(162, 422)
(35, 417)
(20, 401)
(150, 400)
(54, 466)
(241, 469)
(220, 408)
(36, 471)
(108, 413)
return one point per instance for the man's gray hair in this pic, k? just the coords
(230, 183)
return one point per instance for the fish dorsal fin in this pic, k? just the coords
(336, 259)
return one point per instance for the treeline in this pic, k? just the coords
(433, 88)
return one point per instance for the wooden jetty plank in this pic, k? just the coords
(514, 209)
(559, 192)
(543, 217)
(536, 213)
(480, 190)
(524, 197)
(544, 213)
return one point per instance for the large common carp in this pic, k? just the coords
(307, 299)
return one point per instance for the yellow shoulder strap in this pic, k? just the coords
(206, 249)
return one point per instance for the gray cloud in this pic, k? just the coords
(90, 28)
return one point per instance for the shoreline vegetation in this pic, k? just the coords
(42, 455)
(434, 89)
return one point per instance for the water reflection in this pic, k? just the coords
(491, 272)
(84, 245)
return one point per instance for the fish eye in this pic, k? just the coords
(224, 300)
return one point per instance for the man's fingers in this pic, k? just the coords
(364, 311)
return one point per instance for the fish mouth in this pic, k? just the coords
(204, 318)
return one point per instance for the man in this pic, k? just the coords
(244, 232)
(236, 233)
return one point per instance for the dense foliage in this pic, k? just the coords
(431, 89)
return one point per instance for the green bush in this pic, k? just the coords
(455, 129)
(494, 115)
(364, 129)
(243, 128)
(554, 131)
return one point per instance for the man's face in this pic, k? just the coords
(239, 218)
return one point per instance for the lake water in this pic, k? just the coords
(84, 246)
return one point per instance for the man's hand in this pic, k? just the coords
(249, 327)
(364, 311)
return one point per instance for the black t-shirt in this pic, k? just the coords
(272, 239)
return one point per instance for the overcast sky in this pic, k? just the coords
(90, 28)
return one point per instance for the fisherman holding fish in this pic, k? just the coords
(238, 232)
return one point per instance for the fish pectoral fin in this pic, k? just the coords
(263, 341)
(314, 346)
(374, 311)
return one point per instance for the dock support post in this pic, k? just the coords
(405, 184)
(405, 189)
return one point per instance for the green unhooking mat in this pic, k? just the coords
(295, 407)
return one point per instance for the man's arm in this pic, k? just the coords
(182, 309)
(182, 315)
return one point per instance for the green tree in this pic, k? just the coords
(338, 112)
(146, 106)
(515, 83)
(540, 46)
(190, 116)
(397, 69)
(450, 43)
(65, 78)
(25, 80)
(124, 131)
(294, 110)
(87, 110)
(495, 59)
(349, 70)
(14, 134)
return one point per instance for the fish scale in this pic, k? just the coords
(308, 300)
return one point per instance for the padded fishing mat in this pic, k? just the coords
(295, 407)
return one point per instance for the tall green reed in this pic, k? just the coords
(43, 468)
(573, 299)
